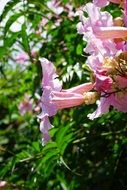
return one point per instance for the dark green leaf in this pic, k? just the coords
(10, 21)
(8, 7)
(79, 49)
(25, 41)
(9, 41)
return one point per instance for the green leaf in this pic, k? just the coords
(49, 167)
(79, 49)
(23, 155)
(38, 3)
(6, 168)
(67, 139)
(64, 137)
(36, 146)
(9, 41)
(8, 7)
(10, 21)
(25, 42)
(61, 134)
(50, 146)
(63, 162)
(49, 155)
(3, 51)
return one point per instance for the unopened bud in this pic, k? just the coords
(3, 184)
(37, 109)
(90, 97)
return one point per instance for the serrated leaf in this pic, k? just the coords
(8, 7)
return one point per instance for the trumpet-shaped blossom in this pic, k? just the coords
(112, 86)
(125, 12)
(102, 81)
(89, 27)
(22, 57)
(103, 3)
(54, 5)
(105, 59)
(113, 32)
(26, 105)
(113, 92)
(103, 38)
(54, 98)
(117, 100)
(105, 43)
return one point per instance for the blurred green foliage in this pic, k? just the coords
(83, 154)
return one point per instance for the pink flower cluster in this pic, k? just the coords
(107, 60)
(55, 98)
(108, 57)
(26, 105)
(103, 3)
(56, 8)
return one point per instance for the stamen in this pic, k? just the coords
(90, 97)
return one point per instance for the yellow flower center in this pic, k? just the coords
(90, 97)
(117, 65)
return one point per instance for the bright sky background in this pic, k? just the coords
(15, 27)
(2, 4)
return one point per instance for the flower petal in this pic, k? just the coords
(110, 32)
(49, 75)
(80, 89)
(45, 125)
(103, 107)
(66, 100)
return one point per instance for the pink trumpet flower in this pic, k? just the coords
(107, 47)
(54, 98)
(22, 57)
(26, 105)
(111, 82)
(125, 13)
(113, 93)
(117, 100)
(54, 5)
(103, 3)
(113, 32)
(91, 26)
(71, 97)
